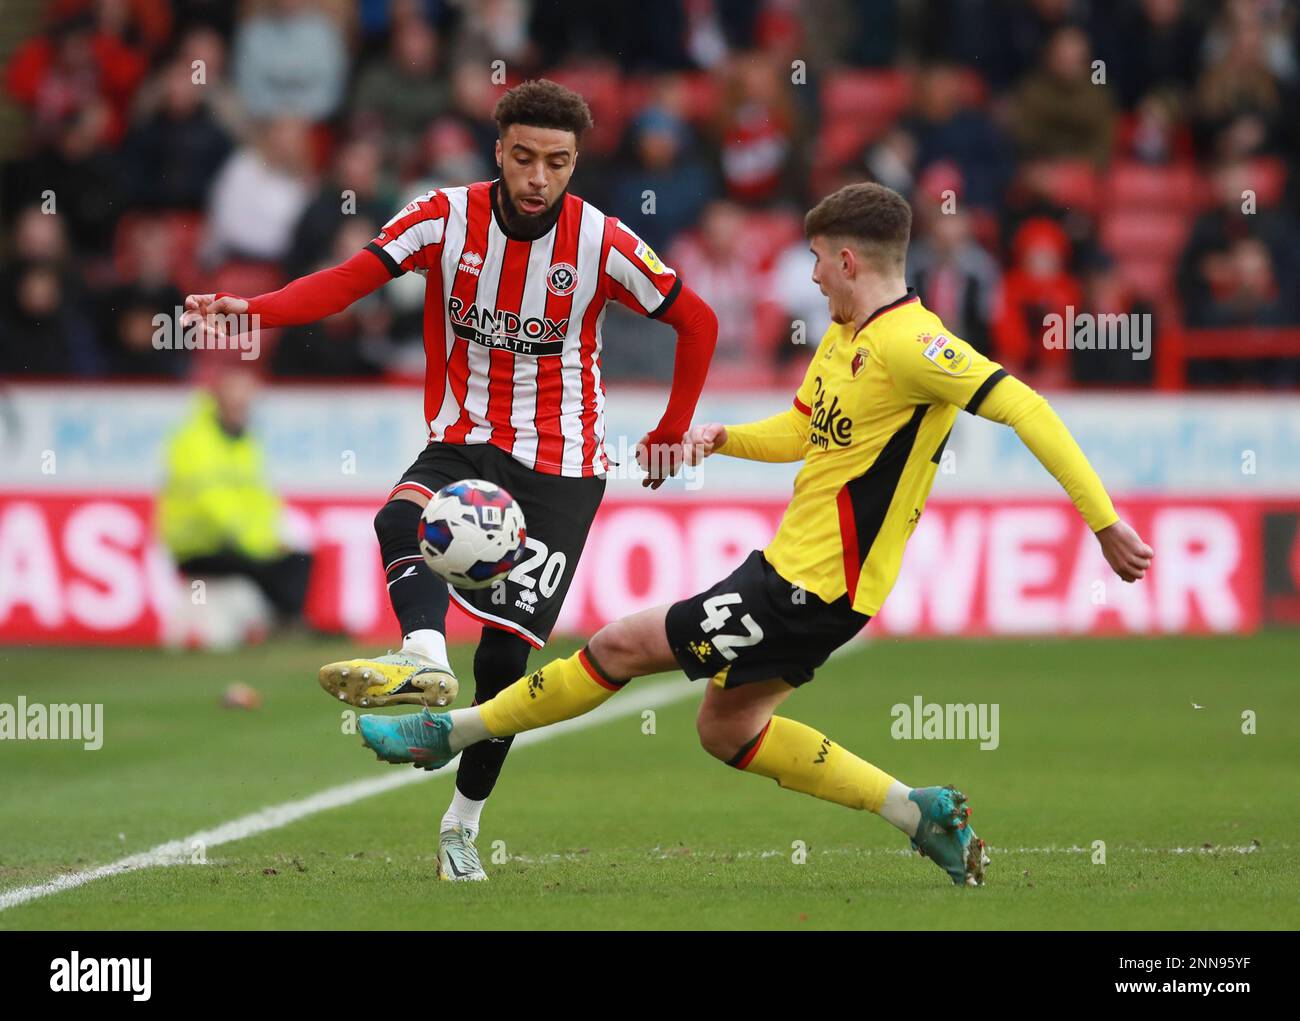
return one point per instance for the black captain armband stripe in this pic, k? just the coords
(977, 398)
(393, 268)
(671, 297)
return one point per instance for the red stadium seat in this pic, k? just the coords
(857, 108)
(1140, 186)
(867, 95)
(1074, 185)
(601, 85)
(322, 141)
(1149, 210)
(184, 233)
(699, 97)
(1268, 176)
(1150, 278)
(704, 97)
(699, 105)
(1149, 234)
(767, 234)
(974, 88)
(638, 93)
(247, 278)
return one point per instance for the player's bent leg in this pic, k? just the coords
(730, 719)
(635, 645)
(736, 725)
(744, 633)
(418, 673)
(565, 688)
(560, 690)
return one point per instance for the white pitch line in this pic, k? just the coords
(902, 852)
(179, 852)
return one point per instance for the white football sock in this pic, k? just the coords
(427, 644)
(464, 812)
(900, 811)
(466, 728)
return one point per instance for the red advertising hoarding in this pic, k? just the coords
(86, 567)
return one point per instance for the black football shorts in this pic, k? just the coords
(558, 512)
(756, 626)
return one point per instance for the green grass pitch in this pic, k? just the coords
(613, 827)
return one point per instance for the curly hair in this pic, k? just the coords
(542, 103)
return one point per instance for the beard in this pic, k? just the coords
(527, 225)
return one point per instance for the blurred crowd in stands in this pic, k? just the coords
(1106, 155)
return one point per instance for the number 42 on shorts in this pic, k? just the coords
(717, 614)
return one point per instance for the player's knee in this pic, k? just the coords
(616, 649)
(722, 734)
(397, 521)
(500, 659)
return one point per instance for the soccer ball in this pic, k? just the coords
(472, 533)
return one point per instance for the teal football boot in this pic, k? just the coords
(945, 837)
(422, 739)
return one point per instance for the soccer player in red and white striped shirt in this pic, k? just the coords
(518, 274)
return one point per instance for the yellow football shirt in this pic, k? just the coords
(870, 421)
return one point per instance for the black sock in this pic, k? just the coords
(419, 596)
(500, 660)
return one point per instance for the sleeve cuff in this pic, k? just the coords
(977, 398)
(668, 301)
(393, 268)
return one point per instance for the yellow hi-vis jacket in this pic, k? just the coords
(215, 495)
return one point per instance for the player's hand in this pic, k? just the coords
(1124, 550)
(658, 458)
(702, 440)
(208, 309)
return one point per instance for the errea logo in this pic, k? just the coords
(471, 263)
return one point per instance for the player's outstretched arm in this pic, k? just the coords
(701, 441)
(1124, 550)
(305, 300)
(659, 452)
(778, 438)
(211, 310)
(1013, 403)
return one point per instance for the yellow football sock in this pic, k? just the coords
(561, 690)
(802, 759)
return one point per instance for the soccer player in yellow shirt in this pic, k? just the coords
(869, 421)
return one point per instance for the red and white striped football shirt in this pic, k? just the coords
(512, 328)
